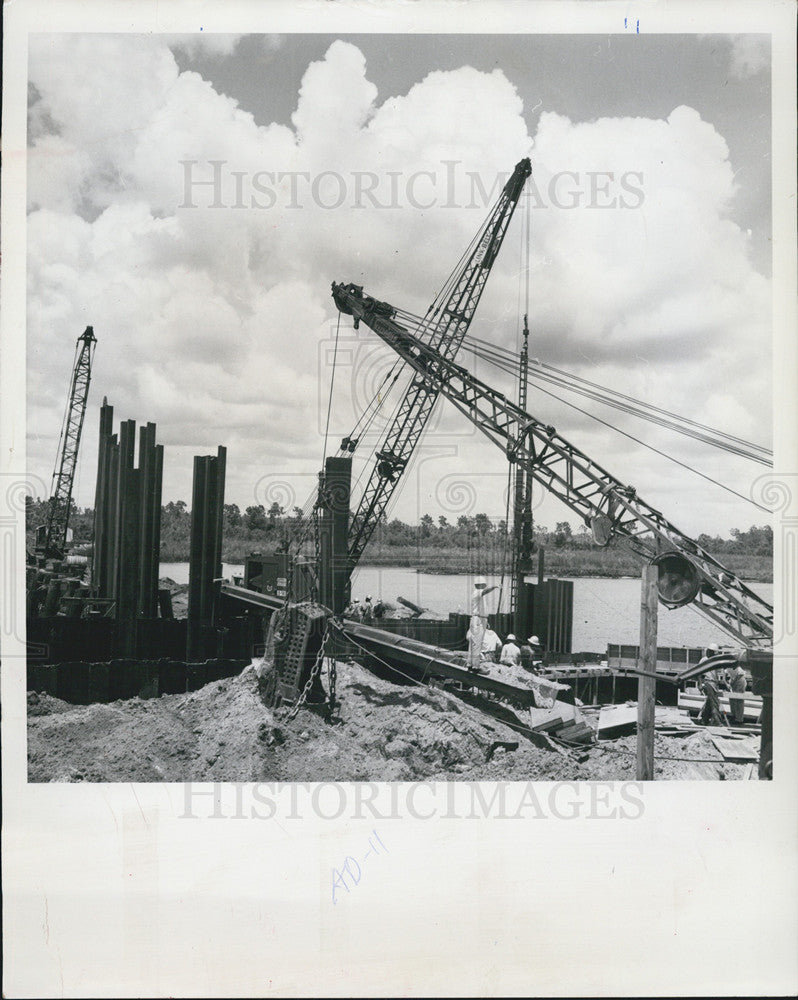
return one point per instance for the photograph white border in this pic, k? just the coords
(108, 890)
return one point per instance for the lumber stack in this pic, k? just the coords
(564, 722)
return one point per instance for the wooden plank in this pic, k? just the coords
(699, 771)
(575, 734)
(734, 750)
(545, 727)
(617, 717)
(647, 686)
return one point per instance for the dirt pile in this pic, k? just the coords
(179, 595)
(381, 732)
(692, 757)
(224, 732)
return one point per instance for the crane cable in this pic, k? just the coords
(332, 383)
(610, 397)
(300, 537)
(671, 458)
(523, 269)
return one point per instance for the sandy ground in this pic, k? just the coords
(382, 732)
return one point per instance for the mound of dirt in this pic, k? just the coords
(179, 593)
(224, 732)
(381, 732)
(676, 758)
(45, 704)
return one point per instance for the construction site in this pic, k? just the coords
(275, 674)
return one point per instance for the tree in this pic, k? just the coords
(275, 511)
(426, 525)
(256, 517)
(562, 534)
(442, 522)
(754, 541)
(175, 509)
(482, 524)
(232, 515)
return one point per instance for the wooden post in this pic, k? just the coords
(647, 662)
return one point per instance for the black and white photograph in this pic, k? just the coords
(399, 439)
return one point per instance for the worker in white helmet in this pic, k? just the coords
(479, 622)
(368, 610)
(511, 654)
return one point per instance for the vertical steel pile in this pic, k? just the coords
(127, 518)
(205, 558)
(334, 563)
(151, 472)
(101, 546)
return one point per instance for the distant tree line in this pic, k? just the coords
(258, 529)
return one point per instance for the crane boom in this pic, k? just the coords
(55, 537)
(443, 327)
(591, 492)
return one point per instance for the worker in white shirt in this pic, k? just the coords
(511, 652)
(479, 621)
(491, 645)
(738, 683)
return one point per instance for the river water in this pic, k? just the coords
(605, 610)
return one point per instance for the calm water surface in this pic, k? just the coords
(605, 610)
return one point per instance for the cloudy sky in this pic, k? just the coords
(192, 198)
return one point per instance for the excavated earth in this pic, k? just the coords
(381, 732)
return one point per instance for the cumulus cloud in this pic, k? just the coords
(201, 247)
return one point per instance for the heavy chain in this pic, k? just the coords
(321, 501)
(331, 683)
(291, 712)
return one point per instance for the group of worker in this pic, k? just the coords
(713, 682)
(528, 654)
(363, 611)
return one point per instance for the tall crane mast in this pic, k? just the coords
(603, 502)
(55, 535)
(443, 327)
(522, 513)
